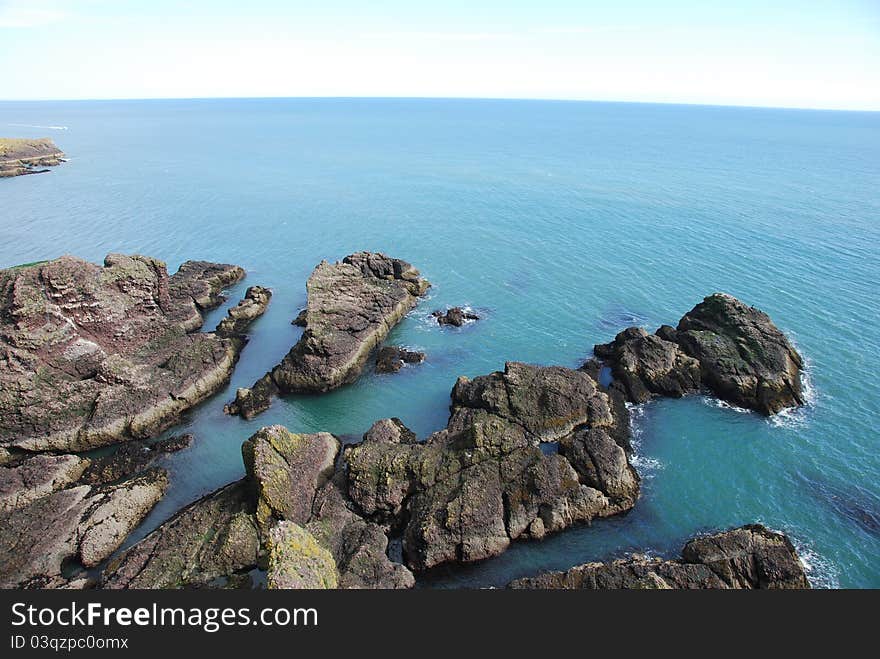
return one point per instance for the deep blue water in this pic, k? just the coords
(563, 222)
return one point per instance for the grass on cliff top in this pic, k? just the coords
(13, 144)
(22, 266)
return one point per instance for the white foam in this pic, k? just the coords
(646, 467)
(712, 401)
(821, 573)
(798, 417)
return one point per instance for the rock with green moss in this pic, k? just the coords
(749, 557)
(294, 479)
(287, 469)
(352, 306)
(93, 355)
(79, 525)
(206, 544)
(297, 561)
(469, 490)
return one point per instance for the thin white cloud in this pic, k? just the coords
(18, 14)
(439, 36)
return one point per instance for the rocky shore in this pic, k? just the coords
(749, 557)
(20, 156)
(351, 307)
(93, 355)
(722, 344)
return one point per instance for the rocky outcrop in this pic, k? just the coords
(239, 317)
(208, 543)
(27, 156)
(297, 561)
(647, 365)
(469, 490)
(391, 359)
(749, 557)
(93, 355)
(456, 316)
(287, 470)
(80, 525)
(291, 481)
(722, 344)
(352, 305)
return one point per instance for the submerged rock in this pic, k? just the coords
(239, 317)
(748, 557)
(130, 458)
(467, 491)
(352, 305)
(391, 359)
(732, 349)
(93, 355)
(297, 561)
(456, 316)
(27, 156)
(81, 524)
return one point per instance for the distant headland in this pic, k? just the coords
(27, 156)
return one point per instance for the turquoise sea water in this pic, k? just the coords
(562, 223)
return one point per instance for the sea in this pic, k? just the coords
(559, 223)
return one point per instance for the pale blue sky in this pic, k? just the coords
(803, 53)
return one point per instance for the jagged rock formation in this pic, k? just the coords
(391, 359)
(93, 355)
(239, 317)
(732, 349)
(81, 524)
(469, 490)
(747, 557)
(352, 305)
(27, 156)
(291, 479)
(456, 316)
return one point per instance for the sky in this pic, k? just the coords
(779, 53)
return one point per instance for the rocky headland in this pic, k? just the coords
(749, 557)
(27, 156)
(351, 307)
(722, 344)
(92, 355)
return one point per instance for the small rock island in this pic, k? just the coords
(20, 156)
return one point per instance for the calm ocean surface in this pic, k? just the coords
(563, 223)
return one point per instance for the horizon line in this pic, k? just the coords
(437, 98)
